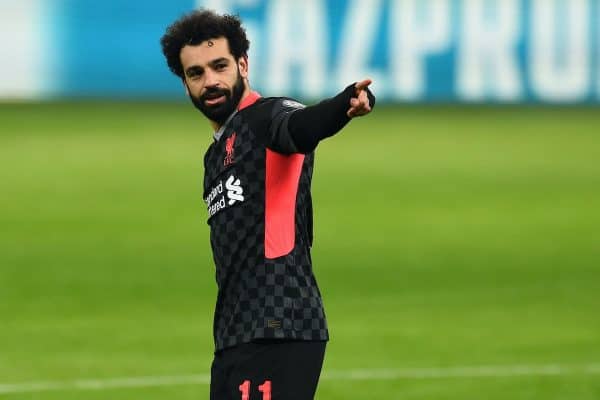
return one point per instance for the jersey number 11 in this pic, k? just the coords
(265, 389)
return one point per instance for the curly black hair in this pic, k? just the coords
(198, 26)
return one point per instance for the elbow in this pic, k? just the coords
(306, 146)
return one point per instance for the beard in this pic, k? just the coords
(220, 112)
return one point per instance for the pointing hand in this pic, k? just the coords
(364, 100)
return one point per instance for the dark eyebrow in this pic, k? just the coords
(194, 70)
(218, 61)
(197, 70)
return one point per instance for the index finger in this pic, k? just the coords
(362, 85)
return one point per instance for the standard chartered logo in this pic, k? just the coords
(234, 190)
(220, 198)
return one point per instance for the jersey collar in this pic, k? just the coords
(247, 101)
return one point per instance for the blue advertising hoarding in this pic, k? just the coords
(415, 50)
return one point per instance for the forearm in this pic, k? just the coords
(312, 124)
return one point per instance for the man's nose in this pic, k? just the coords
(211, 79)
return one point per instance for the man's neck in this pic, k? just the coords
(216, 125)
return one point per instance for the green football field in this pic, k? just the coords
(457, 250)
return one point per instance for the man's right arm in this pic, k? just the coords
(299, 130)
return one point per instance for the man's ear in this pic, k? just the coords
(187, 89)
(243, 66)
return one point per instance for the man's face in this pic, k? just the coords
(214, 80)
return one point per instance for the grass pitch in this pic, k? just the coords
(445, 237)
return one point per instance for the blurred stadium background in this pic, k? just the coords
(457, 228)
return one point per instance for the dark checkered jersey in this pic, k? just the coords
(257, 191)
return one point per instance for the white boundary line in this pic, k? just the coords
(484, 371)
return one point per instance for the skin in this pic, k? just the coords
(210, 64)
(359, 105)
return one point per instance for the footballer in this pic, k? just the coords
(270, 329)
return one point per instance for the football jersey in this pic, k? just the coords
(257, 192)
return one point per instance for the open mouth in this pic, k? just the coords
(215, 101)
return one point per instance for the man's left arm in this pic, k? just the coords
(300, 130)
